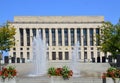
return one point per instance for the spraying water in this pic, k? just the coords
(74, 62)
(39, 55)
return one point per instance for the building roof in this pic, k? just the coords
(58, 19)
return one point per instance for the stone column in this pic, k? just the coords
(82, 44)
(56, 36)
(18, 43)
(75, 35)
(95, 47)
(88, 37)
(44, 35)
(69, 37)
(31, 40)
(50, 44)
(24, 35)
(88, 44)
(63, 38)
(50, 37)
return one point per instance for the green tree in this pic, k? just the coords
(7, 33)
(110, 38)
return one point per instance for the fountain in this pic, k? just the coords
(39, 56)
(74, 62)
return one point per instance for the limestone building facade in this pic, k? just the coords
(60, 33)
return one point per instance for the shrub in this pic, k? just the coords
(65, 72)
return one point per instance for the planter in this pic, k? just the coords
(59, 79)
(8, 80)
(110, 80)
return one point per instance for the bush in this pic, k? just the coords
(65, 72)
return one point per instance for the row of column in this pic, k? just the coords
(63, 39)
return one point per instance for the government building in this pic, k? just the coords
(60, 33)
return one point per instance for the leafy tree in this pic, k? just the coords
(110, 38)
(7, 33)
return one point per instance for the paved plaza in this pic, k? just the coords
(90, 73)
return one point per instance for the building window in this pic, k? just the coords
(72, 37)
(53, 55)
(21, 37)
(34, 32)
(85, 55)
(92, 48)
(66, 36)
(14, 54)
(91, 37)
(14, 48)
(85, 37)
(66, 55)
(59, 37)
(21, 54)
(60, 55)
(28, 55)
(85, 48)
(53, 37)
(27, 48)
(98, 54)
(47, 36)
(97, 40)
(28, 36)
(92, 55)
(79, 35)
(21, 48)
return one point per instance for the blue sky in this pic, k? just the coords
(110, 9)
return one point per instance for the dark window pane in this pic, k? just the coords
(60, 37)
(53, 55)
(28, 55)
(85, 55)
(66, 56)
(14, 54)
(79, 35)
(66, 36)
(72, 37)
(91, 37)
(21, 54)
(28, 36)
(85, 37)
(34, 32)
(92, 55)
(60, 55)
(21, 37)
(53, 37)
(97, 40)
(47, 36)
